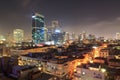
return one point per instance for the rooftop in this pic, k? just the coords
(58, 59)
(115, 60)
(23, 68)
(100, 58)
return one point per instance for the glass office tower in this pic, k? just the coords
(38, 32)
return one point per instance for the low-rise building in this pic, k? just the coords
(89, 73)
(114, 63)
(100, 60)
(25, 72)
(104, 53)
(31, 50)
(59, 66)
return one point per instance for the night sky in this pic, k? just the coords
(99, 17)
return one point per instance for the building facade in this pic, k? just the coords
(38, 29)
(67, 36)
(87, 74)
(18, 35)
(58, 36)
(118, 36)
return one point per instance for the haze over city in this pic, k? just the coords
(95, 17)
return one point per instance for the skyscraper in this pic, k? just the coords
(57, 33)
(18, 35)
(90, 37)
(2, 39)
(83, 35)
(38, 29)
(73, 36)
(66, 36)
(118, 36)
(45, 34)
(55, 24)
(79, 37)
(58, 36)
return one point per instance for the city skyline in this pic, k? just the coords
(95, 17)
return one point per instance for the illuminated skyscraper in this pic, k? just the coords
(55, 24)
(67, 36)
(45, 34)
(2, 39)
(73, 36)
(80, 37)
(118, 36)
(38, 29)
(18, 35)
(83, 35)
(90, 37)
(57, 35)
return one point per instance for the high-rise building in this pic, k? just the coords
(18, 35)
(45, 34)
(38, 29)
(79, 37)
(83, 35)
(67, 36)
(73, 36)
(57, 34)
(100, 38)
(49, 35)
(118, 36)
(2, 39)
(55, 24)
(90, 37)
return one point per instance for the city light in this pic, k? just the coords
(103, 70)
(39, 68)
(105, 45)
(1, 42)
(83, 73)
(57, 31)
(40, 45)
(33, 16)
(78, 63)
(91, 61)
(94, 47)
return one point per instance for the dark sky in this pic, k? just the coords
(99, 17)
